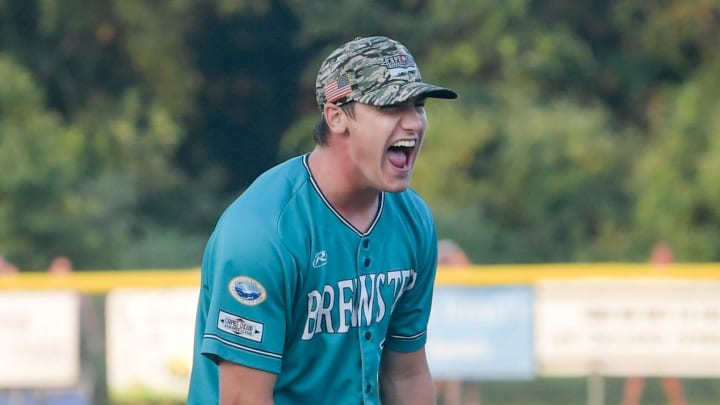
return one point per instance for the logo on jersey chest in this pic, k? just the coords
(361, 301)
(320, 259)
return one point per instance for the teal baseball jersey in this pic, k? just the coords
(292, 288)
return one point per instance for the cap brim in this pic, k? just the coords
(433, 91)
(406, 92)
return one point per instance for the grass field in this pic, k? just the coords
(574, 391)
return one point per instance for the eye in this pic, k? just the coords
(417, 104)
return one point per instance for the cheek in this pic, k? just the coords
(370, 144)
(358, 150)
(368, 152)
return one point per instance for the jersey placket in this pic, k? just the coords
(366, 338)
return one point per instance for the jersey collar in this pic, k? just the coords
(319, 192)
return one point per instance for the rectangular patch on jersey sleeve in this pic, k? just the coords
(239, 326)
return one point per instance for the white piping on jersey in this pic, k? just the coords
(241, 347)
(413, 337)
(337, 214)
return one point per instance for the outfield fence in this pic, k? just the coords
(107, 337)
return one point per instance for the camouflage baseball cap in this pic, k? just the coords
(374, 70)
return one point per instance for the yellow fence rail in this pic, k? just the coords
(99, 282)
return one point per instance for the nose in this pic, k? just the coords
(414, 119)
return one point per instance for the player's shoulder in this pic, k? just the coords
(409, 203)
(409, 210)
(408, 216)
(249, 227)
(261, 204)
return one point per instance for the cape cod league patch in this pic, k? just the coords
(247, 290)
(240, 326)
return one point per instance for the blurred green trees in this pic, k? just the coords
(584, 131)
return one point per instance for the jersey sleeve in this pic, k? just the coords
(246, 269)
(408, 326)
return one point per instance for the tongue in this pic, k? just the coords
(397, 158)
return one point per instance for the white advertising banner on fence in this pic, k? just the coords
(39, 339)
(150, 343)
(624, 327)
(481, 333)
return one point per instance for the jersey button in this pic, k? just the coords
(367, 262)
(368, 388)
(368, 335)
(366, 243)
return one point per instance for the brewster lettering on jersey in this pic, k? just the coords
(350, 303)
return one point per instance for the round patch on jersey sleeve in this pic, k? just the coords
(247, 290)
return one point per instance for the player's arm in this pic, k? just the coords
(240, 385)
(405, 379)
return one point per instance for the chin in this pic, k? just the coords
(396, 188)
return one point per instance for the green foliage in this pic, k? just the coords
(543, 185)
(584, 130)
(678, 33)
(676, 180)
(153, 36)
(298, 138)
(90, 190)
(38, 156)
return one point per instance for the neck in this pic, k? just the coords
(357, 203)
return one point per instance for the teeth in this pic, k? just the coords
(405, 143)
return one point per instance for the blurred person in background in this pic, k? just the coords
(60, 265)
(6, 267)
(450, 254)
(91, 348)
(660, 257)
(454, 392)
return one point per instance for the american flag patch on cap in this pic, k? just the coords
(337, 89)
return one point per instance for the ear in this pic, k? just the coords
(335, 118)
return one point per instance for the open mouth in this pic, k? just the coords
(399, 152)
